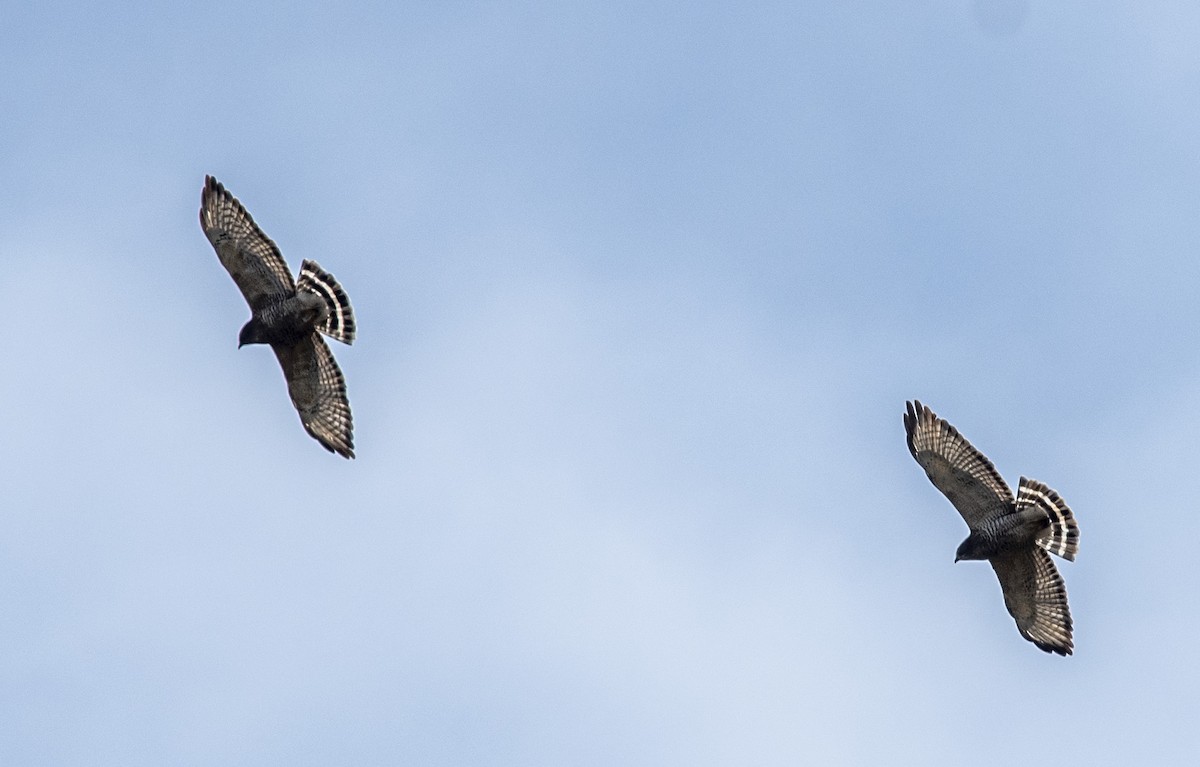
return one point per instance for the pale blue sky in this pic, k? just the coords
(642, 289)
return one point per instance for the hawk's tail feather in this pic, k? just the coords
(1062, 537)
(340, 322)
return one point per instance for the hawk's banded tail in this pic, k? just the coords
(340, 322)
(1062, 537)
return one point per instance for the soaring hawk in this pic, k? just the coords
(1014, 535)
(287, 315)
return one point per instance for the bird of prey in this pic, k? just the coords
(290, 316)
(1015, 536)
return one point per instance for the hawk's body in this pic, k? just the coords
(287, 315)
(1014, 535)
(291, 319)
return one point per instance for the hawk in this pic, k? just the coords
(1015, 536)
(290, 316)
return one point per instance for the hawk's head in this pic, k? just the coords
(252, 333)
(971, 548)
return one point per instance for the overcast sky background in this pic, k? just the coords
(642, 289)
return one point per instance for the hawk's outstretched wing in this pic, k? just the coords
(962, 473)
(250, 256)
(1036, 598)
(318, 391)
